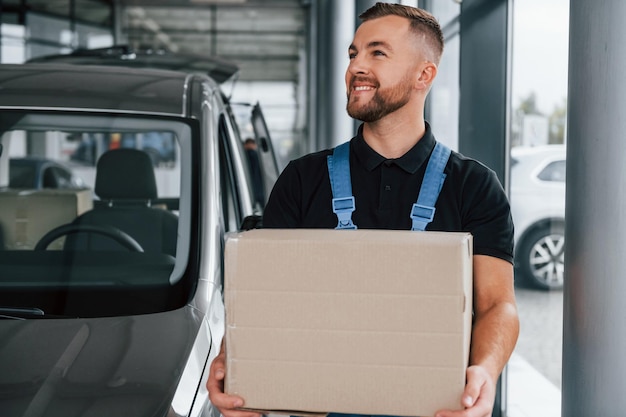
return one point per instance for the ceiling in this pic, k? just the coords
(266, 38)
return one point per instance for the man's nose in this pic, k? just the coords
(357, 65)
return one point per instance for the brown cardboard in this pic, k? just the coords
(26, 215)
(359, 321)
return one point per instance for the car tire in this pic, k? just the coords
(541, 256)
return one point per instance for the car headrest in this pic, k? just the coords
(125, 174)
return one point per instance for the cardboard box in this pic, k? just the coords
(27, 215)
(364, 321)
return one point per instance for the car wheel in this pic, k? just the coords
(541, 257)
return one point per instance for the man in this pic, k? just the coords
(393, 62)
(252, 154)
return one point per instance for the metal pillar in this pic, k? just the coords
(484, 84)
(359, 7)
(334, 29)
(594, 338)
(117, 10)
(344, 33)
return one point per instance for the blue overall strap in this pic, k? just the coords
(423, 211)
(341, 185)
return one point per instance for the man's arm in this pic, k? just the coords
(494, 334)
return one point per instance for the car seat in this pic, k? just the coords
(126, 187)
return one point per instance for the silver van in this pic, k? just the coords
(111, 294)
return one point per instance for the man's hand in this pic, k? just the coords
(494, 333)
(478, 397)
(227, 404)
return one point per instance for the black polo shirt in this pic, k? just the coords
(471, 200)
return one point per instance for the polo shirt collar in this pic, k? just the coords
(410, 161)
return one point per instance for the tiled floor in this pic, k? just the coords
(530, 394)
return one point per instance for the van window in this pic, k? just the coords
(160, 146)
(92, 211)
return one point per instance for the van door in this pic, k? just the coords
(267, 157)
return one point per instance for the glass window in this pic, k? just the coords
(161, 147)
(537, 193)
(443, 108)
(59, 8)
(11, 43)
(92, 37)
(89, 11)
(42, 27)
(47, 35)
(94, 210)
(445, 11)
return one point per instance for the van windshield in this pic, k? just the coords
(94, 213)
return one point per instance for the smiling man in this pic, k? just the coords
(393, 62)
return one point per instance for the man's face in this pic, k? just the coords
(382, 68)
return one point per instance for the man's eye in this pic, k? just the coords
(379, 53)
(352, 55)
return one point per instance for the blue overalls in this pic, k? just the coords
(422, 212)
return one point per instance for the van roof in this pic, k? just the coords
(100, 88)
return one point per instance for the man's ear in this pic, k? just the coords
(426, 75)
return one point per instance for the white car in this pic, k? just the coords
(538, 209)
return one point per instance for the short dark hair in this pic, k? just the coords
(422, 23)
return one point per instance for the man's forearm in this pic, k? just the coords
(494, 335)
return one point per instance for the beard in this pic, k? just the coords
(384, 102)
